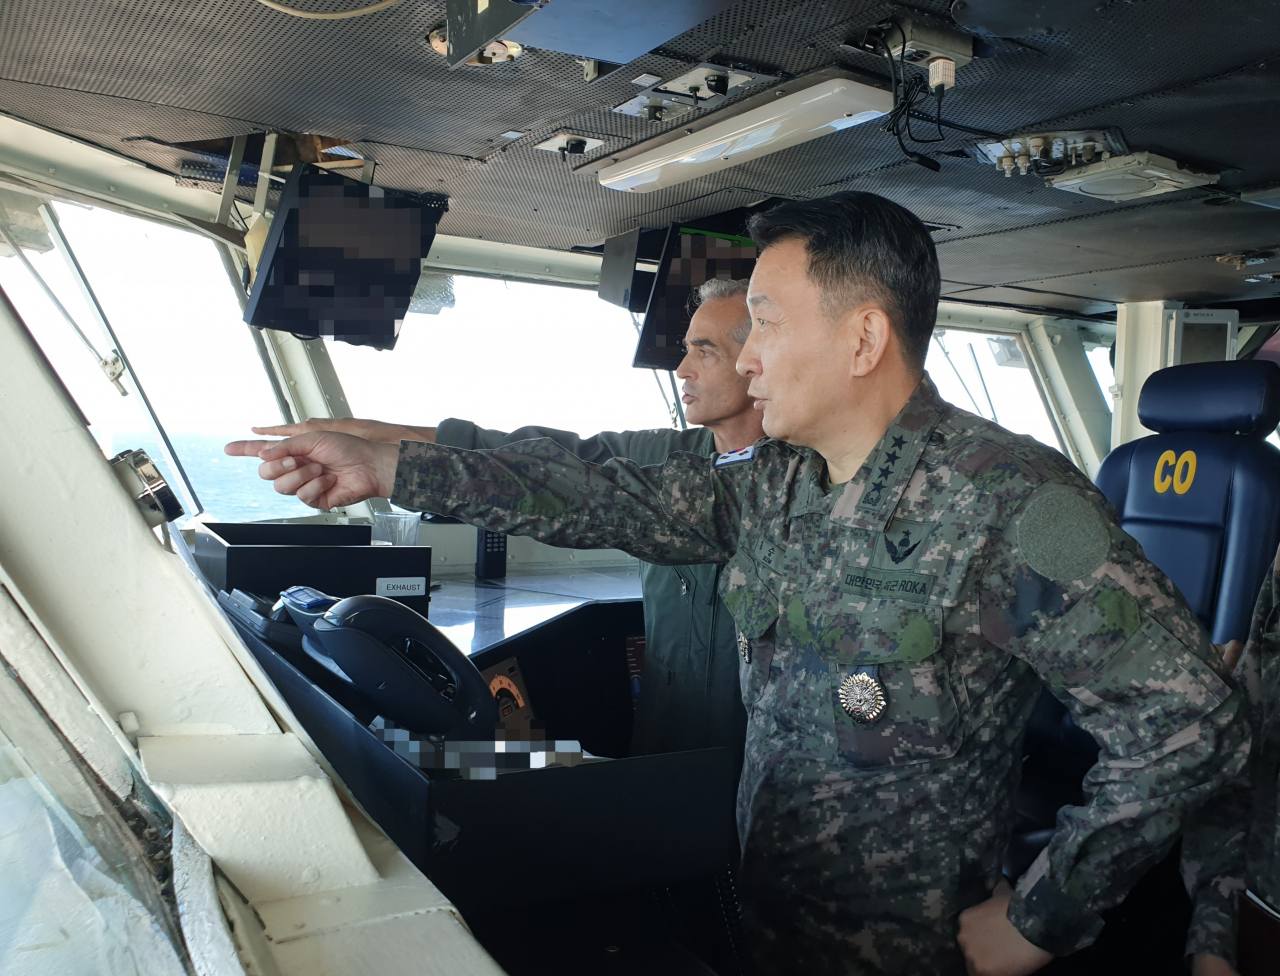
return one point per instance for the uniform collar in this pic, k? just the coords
(809, 495)
(870, 498)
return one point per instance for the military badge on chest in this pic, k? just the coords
(862, 696)
(902, 544)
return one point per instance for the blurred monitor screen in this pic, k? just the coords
(690, 258)
(342, 259)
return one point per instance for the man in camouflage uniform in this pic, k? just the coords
(904, 576)
(1233, 842)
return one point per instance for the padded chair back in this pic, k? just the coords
(1202, 494)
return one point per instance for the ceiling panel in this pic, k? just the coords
(1196, 80)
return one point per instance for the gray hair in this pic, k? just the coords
(714, 288)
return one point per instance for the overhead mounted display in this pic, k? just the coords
(342, 259)
(690, 258)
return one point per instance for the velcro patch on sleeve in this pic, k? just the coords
(736, 457)
(1063, 536)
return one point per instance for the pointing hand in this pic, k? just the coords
(324, 469)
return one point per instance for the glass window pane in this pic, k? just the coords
(506, 355)
(1100, 359)
(167, 296)
(986, 374)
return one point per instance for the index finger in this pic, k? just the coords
(280, 430)
(290, 446)
(247, 448)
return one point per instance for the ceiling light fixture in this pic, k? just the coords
(792, 118)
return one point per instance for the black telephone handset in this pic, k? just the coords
(412, 673)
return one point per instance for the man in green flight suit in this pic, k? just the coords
(905, 576)
(690, 697)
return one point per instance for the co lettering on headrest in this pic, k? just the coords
(1184, 472)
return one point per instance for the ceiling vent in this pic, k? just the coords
(1129, 177)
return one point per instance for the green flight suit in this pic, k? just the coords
(689, 697)
(1233, 843)
(895, 633)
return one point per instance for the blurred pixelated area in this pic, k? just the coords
(346, 260)
(692, 258)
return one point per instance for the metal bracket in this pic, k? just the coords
(114, 368)
(146, 486)
(704, 87)
(232, 179)
(264, 173)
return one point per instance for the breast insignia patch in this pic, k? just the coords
(862, 697)
(736, 457)
(1063, 536)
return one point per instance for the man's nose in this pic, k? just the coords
(748, 363)
(685, 370)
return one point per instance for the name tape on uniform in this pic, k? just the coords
(736, 457)
(401, 586)
(908, 587)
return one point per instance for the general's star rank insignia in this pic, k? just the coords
(744, 647)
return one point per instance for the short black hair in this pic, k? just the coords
(862, 246)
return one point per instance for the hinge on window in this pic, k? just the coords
(114, 368)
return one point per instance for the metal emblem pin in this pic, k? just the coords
(862, 696)
(744, 647)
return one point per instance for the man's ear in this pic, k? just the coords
(870, 336)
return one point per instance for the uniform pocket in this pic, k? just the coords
(1151, 688)
(900, 646)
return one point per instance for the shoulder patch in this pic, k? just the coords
(736, 457)
(1063, 536)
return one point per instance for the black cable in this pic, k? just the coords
(907, 92)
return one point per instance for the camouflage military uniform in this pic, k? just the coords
(961, 567)
(1233, 842)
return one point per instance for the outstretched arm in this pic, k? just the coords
(641, 446)
(370, 430)
(682, 511)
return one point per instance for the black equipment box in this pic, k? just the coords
(266, 558)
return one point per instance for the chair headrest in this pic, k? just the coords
(1225, 398)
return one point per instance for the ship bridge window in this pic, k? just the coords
(1100, 359)
(506, 355)
(987, 374)
(166, 294)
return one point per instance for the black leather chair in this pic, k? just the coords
(1202, 497)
